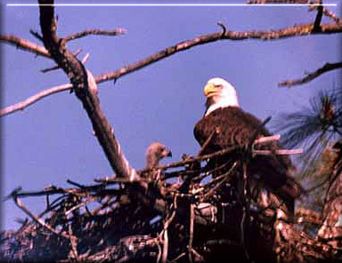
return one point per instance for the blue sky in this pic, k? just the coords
(52, 140)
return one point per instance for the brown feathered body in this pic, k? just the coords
(236, 127)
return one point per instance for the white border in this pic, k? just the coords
(165, 5)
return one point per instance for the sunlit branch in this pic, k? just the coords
(25, 45)
(294, 31)
(37, 49)
(31, 100)
(114, 32)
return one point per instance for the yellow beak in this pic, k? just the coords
(209, 90)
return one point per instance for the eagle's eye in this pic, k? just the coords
(220, 86)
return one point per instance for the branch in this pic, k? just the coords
(114, 32)
(319, 16)
(25, 45)
(85, 89)
(310, 76)
(331, 15)
(38, 220)
(46, 70)
(297, 30)
(33, 99)
(294, 31)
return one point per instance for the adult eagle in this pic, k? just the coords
(236, 127)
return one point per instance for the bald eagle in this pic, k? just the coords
(236, 127)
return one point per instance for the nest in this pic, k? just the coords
(192, 212)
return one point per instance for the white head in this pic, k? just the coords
(219, 93)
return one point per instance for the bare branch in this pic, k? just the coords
(57, 67)
(331, 15)
(297, 30)
(310, 76)
(30, 100)
(294, 31)
(25, 45)
(278, 152)
(20, 204)
(85, 89)
(319, 16)
(114, 32)
(36, 35)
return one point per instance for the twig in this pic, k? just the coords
(191, 231)
(75, 184)
(85, 58)
(278, 152)
(165, 229)
(224, 29)
(113, 179)
(208, 141)
(75, 191)
(178, 257)
(216, 186)
(310, 76)
(165, 246)
(80, 205)
(294, 31)
(114, 32)
(256, 133)
(331, 15)
(36, 219)
(73, 242)
(245, 210)
(267, 139)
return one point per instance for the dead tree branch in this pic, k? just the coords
(25, 45)
(331, 15)
(20, 204)
(310, 76)
(294, 31)
(39, 50)
(99, 32)
(33, 99)
(85, 89)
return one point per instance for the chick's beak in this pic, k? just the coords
(209, 90)
(167, 153)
